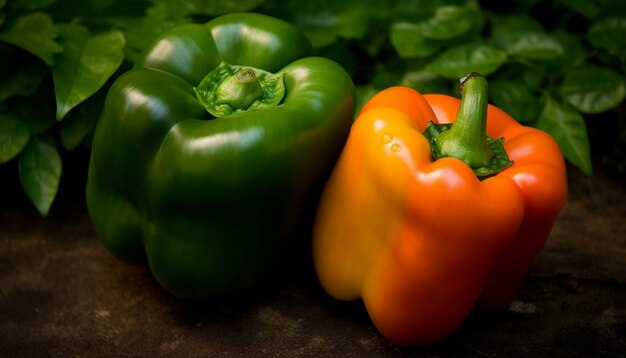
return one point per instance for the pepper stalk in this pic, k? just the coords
(466, 139)
(229, 89)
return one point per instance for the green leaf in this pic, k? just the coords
(515, 98)
(344, 54)
(567, 127)
(34, 33)
(573, 51)
(40, 173)
(326, 21)
(458, 61)
(593, 89)
(419, 8)
(85, 64)
(13, 137)
(505, 29)
(320, 36)
(425, 82)
(608, 31)
(521, 36)
(406, 39)
(535, 46)
(531, 76)
(353, 22)
(81, 122)
(89, 11)
(138, 31)
(24, 80)
(325, 27)
(214, 7)
(31, 5)
(448, 22)
(586, 8)
(38, 118)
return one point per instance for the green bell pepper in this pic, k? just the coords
(208, 149)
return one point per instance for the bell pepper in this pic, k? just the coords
(435, 207)
(208, 149)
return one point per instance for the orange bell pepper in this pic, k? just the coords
(423, 241)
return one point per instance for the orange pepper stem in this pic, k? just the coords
(466, 139)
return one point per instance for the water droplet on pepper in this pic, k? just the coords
(386, 138)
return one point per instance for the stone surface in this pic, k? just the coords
(63, 294)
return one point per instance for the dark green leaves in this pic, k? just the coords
(325, 24)
(515, 98)
(31, 4)
(608, 30)
(84, 65)
(80, 123)
(138, 31)
(593, 89)
(40, 173)
(522, 37)
(34, 33)
(535, 46)
(214, 7)
(24, 81)
(445, 25)
(448, 22)
(461, 60)
(48, 69)
(568, 128)
(13, 137)
(587, 8)
(406, 38)
(574, 52)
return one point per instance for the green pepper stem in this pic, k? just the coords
(240, 90)
(229, 89)
(467, 138)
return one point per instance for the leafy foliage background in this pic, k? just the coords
(555, 65)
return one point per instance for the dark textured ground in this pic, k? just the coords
(62, 294)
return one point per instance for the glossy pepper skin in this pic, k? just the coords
(423, 242)
(210, 202)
